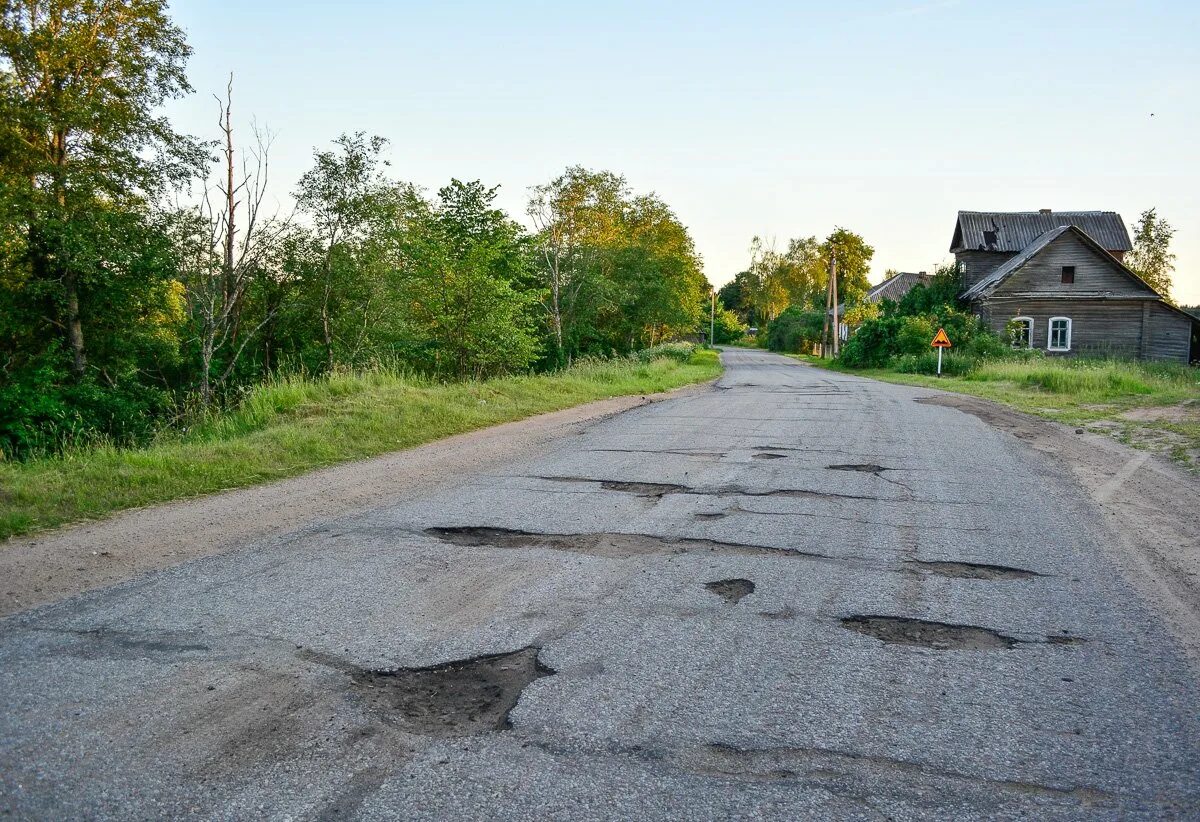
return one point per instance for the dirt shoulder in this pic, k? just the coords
(1150, 506)
(54, 565)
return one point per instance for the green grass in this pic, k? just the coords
(293, 425)
(1095, 394)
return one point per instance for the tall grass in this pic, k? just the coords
(294, 424)
(1094, 380)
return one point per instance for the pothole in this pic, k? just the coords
(710, 515)
(731, 590)
(769, 455)
(465, 697)
(941, 636)
(969, 570)
(604, 544)
(864, 467)
(643, 489)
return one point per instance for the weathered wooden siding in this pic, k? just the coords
(1170, 334)
(980, 263)
(1100, 327)
(1096, 272)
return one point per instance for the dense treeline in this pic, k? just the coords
(782, 293)
(143, 277)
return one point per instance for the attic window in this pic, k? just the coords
(1068, 274)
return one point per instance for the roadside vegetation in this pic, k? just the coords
(288, 425)
(147, 281)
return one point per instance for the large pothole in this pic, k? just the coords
(969, 570)
(732, 591)
(460, 698)
(603, 544)
(941, 636)
(863, 467)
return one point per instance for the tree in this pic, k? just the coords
(657, 284)
(853, 263)
(576, 216)
(81, 81)
(348, 199)
(1151, 257)
(223, 247)
(462, 260)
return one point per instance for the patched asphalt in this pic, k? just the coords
(798, 594)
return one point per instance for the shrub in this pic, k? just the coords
(678, 351)
(795, 330)
(953, 364)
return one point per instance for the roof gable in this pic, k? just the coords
(1014, 231)
(988, 284)
(895, 287)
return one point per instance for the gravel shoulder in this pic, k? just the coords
(53, 565)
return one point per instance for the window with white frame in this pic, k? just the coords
(1020, 332)
(1060, 334)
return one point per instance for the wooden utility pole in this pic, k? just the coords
(837, 329)
(829, 342)
(712, 318)
(825, 327)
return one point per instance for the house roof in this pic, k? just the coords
(1008, 267)
(895, 287)
(1013, 231)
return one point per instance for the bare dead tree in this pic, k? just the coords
(229, 242)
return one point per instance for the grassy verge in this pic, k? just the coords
(1148, 405)
(294, 425)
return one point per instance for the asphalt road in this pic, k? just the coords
(776, 598)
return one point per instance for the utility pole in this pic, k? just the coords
(712, 317)
(825, 327)
(837, 329)
(829, 341)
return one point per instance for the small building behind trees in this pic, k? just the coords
(1055, 281)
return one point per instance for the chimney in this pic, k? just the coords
(1045, 211)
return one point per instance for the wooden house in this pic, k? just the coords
(1056, 281)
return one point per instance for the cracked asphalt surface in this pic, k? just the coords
(799, 594)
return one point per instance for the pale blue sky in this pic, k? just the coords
(771, 118)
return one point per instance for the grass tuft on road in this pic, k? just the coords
(293, 424)
(1146, 404)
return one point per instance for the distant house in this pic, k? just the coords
(1055, 281)
(893, 288)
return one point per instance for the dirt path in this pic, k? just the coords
(53, 565)
(1151, 507)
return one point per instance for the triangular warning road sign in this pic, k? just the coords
(940, 340)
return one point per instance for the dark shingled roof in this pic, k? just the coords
(988, 283)
(895, 287)
(1016, 230)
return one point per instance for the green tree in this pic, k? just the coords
(577, 218)
(462, 263)
(82, 145)
(656, 276)
(350, 203)
(853, 264)
(1151, 257)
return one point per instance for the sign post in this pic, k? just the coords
(940, 341)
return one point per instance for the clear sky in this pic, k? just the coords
(771, 118)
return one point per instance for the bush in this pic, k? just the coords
(678, 351)
(43, 412)
(796, 330)
(872, 345)
(953, 365)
